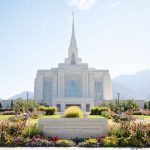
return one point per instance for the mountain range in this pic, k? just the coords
(23, 95)
(136, 86)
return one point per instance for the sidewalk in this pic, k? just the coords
(68, 148)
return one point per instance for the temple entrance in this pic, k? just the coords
(69, 105)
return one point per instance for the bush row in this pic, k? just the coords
(48, 110)
(98, 110)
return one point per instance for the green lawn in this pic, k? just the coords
(33, 121)
(95, 116)
(58, 116)
(3, 117)
(52, 116)
(142, 116)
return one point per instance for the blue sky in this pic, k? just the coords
(35, 34)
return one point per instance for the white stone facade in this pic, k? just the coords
(72, 83)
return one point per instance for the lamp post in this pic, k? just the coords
(118, 94)
(27, 96)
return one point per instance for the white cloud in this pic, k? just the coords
(82, 4)
(114, 4)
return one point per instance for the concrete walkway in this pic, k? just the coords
(69, 148)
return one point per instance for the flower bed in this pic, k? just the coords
(125, 134)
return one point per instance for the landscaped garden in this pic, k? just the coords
(128, 125)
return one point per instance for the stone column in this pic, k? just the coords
(38, 88)
(55, 86)
(107, 87)
(91, 84)
(83, 83)
(60, 83)
(86, 84)
(83, 106)
(62, 107)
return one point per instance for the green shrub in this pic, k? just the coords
(104, 109)
(129, 105)
(92, 142)
(108, 114)
(42, 108)
(50, 110)
(95, 111)
(124, 141)
(110, 141)
(125, 117)
(133, 141)
(34, 116)
(16, 119)
(125, 105)
(0, 106)
(21, 105)
(118, 132)
(145, 106)
(5, 139)
(65, 143)
(8, 113)
(98, 110)
(30, 131)
(73, 112)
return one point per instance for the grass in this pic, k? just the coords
(4, 117)
(52, 116)
(33, 121)
(95, 116)
(142, 116)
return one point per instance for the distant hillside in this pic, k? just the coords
(135, 86)
(23, 95)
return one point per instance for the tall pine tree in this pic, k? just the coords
(0, 105)
(12, 104)
(145, 106)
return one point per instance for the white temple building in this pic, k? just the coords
(72, 83)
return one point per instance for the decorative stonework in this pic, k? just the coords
(73, 127)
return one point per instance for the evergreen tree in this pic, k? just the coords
(0, 105)
(149, 105)
(145, 106)
(12, 104)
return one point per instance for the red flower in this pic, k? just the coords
(54, 139)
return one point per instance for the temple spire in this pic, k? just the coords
(73, 50)
(73, 33)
